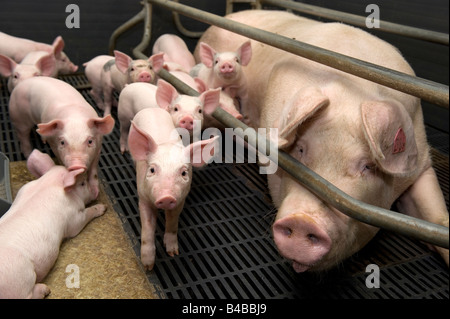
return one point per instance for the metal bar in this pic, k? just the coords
(428, 90)
(182, 29)
(385, 26)
(138, 50)
(369, 214)
(124, 27)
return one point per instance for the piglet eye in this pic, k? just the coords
(62, 143)
(184, 173)
(152, 170)
(200, 111)
(175, 109)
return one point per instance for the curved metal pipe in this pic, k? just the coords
(124, 27)
(369, 214)
(428, 90)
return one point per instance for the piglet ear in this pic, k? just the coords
(389, 131)
(305, 103)
(245, 52)
(157, 61)
(210, 100)
(7, 66)
(47, 65)
(58, 46)
(165, 94)
(140, 143)
(123, 61)
(39, 163)
(201, 86)
(103, 125)
(70, 178)
(201, 152)
(207, 54)
(50, 128)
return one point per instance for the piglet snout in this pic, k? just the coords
(144, 77)
(187, 122)
(300, 239)
(166, 202)
(227, 68)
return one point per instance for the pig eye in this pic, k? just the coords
(175, 109)
(200, 111)
(216, 61)
(16, 76)
(132, 69)
(184, 173)
(90, 142)
(62, 142)
(368, 168)
(152, 170)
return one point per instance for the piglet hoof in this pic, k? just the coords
(40, 291)
(171, 243)
(97, 210)
(148, 260)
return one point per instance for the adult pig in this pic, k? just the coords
(65, 120)
(163, 175)
(124, 70)
(176, 52)
(32, 65)
(366, 139)
(17, 48)
(44, 212)
(185, 110)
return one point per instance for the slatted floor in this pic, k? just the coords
(226, 250)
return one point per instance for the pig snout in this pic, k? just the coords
(166, 202)
(144, 77)
(227, 68)
(300, 239)
(187, 122)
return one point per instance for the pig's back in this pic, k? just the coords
(158, 124)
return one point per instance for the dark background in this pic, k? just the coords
(44, 20)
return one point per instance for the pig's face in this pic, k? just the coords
(21, 73)
(76, 142)
(344, 148)
(64, 65)
(139, 70)
(168, 176)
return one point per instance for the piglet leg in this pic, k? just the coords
(148, 223)
(40, 291)
(170, 235)
(83, 218)
(424, 200)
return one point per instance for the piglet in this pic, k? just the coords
(177, 56)
(124, 70)
(40, 64)
(44, 212)
(65, 120)
(224, 69)
(93, 72)
(163, 175)
(17, 48)
(185, 110)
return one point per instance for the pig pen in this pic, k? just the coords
(226, 249)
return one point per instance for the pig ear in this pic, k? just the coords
(245, 53)
(123, 61)
(7, 66)
(306, 102)
(207, 54)
(47, 65)
(103, 125)
(58, 46)
(157, 61)
(50, 128)
(70, 178)
(165, 94)
(39, 163)
(390, 133)
(201, 86)
(201, 152)
(140, 143)
(210, 100)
